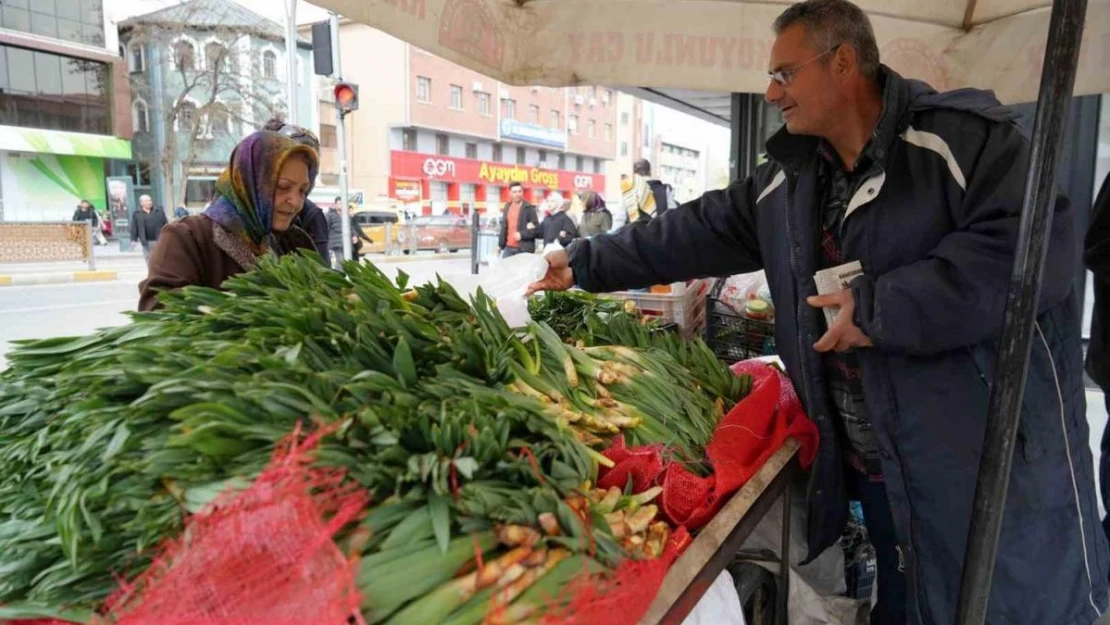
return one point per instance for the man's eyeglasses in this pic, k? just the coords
(301, 135)
(785, 76)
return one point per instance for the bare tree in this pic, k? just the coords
(210, 86)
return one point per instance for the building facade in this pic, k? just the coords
(64, 108)
(435, 136)
(204, 74)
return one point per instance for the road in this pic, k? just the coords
(31, 312)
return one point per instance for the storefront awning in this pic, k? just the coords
(723, 46)
(17, 139)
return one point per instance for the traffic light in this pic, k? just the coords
(346, 96)
(321, 49)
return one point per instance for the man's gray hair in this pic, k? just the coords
(829, 23)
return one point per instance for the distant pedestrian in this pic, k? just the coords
(146, 225)
(559, 226)
(519, 224)
(86, 212)
(596, 218)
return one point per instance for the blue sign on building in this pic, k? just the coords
(532, 133)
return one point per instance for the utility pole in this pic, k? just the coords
(341, 132)
(291, 58)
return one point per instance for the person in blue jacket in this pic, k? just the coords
(924, 190)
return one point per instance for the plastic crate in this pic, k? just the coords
(734, 337)
(684, 305)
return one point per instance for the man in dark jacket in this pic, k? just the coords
(559, 226)
(335, 235)
(146, 225)
(520, 224)
(1096, 255)
(924, 190)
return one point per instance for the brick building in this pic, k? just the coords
(434, 135)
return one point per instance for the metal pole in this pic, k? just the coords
(1065, 32)
(341, 139)
(91, 242)
(475, 224)
(291, 58)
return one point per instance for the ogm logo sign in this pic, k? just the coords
(583, 182)
(438, 168)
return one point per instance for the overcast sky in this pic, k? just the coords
(119, 10)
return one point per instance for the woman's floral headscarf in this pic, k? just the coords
(244, 204)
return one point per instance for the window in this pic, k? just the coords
(624, 148)
(269, 64)
(597, 165)
(136, 59)
(51, 91)
(591, 129)
(562, 161)
(624, 118)
(555, 120)
(534, 114)
(543, 158)
(572, 124)
(423, 89)
(443, 144)
(408, 139)
(483, 103)
(215, 56)
(185, 56)
(647, 136)
(608, 97)
(608, 132)
(472, 150)
(456, 97)
(578, 163)
(77, 21)
(220, 121)
(497, 156)
(328, 136)
(508, 108)
(186, 116)
(140, 116)
(520, 156)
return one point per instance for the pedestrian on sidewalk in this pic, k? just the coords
(146, 226)
(258, 197)
(559, 226)
(596, 218)
(915, 196)
(520, 224)
(86, 212)
(335, 235)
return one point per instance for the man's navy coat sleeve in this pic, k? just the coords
(714, 235)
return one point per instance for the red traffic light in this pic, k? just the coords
(346, 96)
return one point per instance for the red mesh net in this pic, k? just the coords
(744, 439)
(263, 556)
(620, 598)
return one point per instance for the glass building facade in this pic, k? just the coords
(76, 21)
(52, 91)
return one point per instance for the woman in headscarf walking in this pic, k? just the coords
(596, 218)
(560, 225)
(258, 197)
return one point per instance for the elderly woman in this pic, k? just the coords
(258, 197)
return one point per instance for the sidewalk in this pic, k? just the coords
(110, 263)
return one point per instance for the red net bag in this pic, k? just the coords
(263, 556)
(620, 598)
(744, 439)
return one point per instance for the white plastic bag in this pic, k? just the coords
(506, 285)
(720, 605)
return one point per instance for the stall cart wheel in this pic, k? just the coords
(757, 588)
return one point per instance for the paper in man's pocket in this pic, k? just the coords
(836, 279)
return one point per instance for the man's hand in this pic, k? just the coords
(843, 334)
(559, 276)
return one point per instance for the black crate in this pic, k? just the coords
(733, 337)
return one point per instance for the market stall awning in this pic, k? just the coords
(722, 45)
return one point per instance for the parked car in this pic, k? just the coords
(438, 233)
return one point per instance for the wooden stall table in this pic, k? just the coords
(719, 541)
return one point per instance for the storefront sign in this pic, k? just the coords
(19, 139)
(407, 190)
(532, 133)
(207, 169)
(413, 166)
